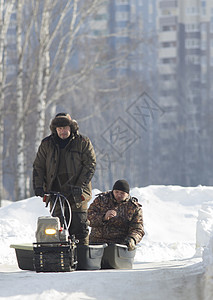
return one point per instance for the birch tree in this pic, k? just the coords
(20, 107)
(5, 13)
(22, 102)
(78, 13)
(2, 99)
(43, 70)
(50, 35)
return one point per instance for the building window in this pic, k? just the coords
(168, 12)
(171, 60)
(122, 16)
(203, 27)
(100, 17)
(168, 77)
(193, 59)
(192, 11)
(169, 28)
(203, 77)
(168, 44)
(120, 2)
(203, 60)
(203, 45)
(194, 27)
(204, 8)
(195, 76)
(192, 43)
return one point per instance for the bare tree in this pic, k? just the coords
(54, 75)
(59, 61)
(43, 70)
(2, 99)
(20, 107)
(5, 13)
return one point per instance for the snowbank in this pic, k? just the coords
(178, 223)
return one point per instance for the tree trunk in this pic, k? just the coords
(2, 99)
(5, 13)
(20, 192)
(43, 72)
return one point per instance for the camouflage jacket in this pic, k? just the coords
(127, 223)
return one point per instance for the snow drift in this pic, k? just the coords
(177, 250)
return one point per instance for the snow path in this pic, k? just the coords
(174, 261)
(181, 278)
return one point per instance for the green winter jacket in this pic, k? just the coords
(80, 164)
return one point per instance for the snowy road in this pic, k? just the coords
(172, 280)
(178, 222)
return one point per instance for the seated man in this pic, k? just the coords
(116, 217)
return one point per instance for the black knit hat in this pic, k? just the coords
(60, 120)
(121, 185)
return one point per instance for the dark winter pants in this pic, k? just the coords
(79, 224)
(79, 227)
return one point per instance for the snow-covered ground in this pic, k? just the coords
(173, 261)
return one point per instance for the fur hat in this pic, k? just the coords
(62, 120)
(121, 185)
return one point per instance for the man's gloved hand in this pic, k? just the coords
(39, 191)
(130, 242)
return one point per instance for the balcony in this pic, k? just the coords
(167, 36)
(168, 52)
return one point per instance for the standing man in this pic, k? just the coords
(116, 217)
(66, 159)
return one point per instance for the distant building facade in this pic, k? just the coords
(185, 66)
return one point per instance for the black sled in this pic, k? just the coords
(91, 257)
(56, 251)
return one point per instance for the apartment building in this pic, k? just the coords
(184, 65)
(133, 26)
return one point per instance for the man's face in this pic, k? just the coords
(63, 132)
(120, 195)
